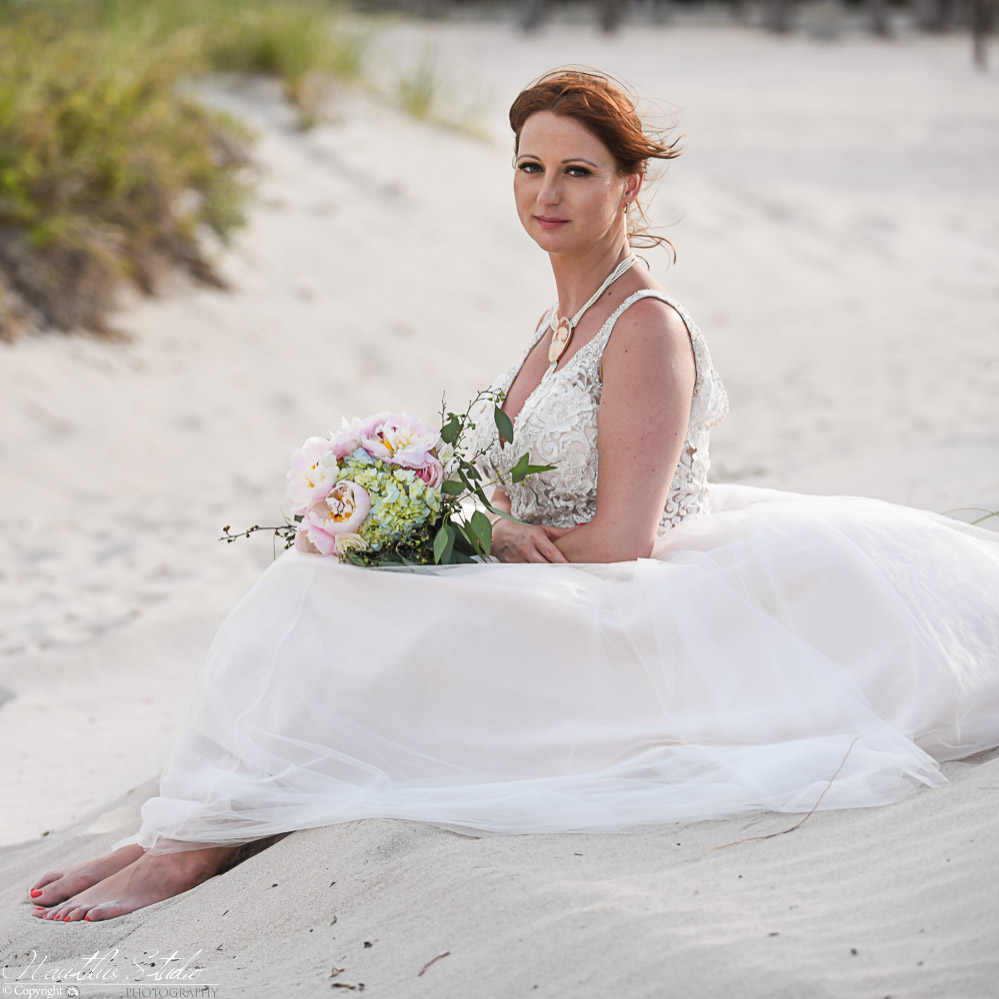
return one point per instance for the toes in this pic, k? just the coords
(35, 891)
(43, 887)
(64, 888)
(46, 879)
(106, 910)
(75, 915)
(55, 891)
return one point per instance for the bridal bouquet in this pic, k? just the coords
(389, 491)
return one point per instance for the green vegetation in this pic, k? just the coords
(108, 171)
(418, 90)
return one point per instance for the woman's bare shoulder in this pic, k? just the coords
(649, 332)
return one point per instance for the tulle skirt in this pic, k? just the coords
(783, 653)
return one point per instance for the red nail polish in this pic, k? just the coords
(87, 919)
(65, 919)
(35, 892)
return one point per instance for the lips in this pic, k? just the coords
(549, 222)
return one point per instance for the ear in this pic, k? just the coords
(632, 185)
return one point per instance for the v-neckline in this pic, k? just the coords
(635, 295)
(548, 370)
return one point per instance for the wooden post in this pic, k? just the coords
(779, 16)
(982, 13)
(877, 13)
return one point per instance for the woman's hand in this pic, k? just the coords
(527, 542)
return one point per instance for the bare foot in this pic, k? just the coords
(150, 878)
(57, 886)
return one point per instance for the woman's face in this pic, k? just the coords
(570, 197)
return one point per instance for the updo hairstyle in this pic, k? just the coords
(607, 109)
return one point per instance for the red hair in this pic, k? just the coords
(605, 108)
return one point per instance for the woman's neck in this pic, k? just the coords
(579, 276)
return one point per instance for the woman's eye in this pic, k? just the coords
(572, 171)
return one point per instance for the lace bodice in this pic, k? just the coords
(558, 426)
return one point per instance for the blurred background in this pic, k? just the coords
(226, 224)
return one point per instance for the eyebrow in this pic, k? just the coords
(572, 159)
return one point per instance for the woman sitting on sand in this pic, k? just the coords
(664, 662)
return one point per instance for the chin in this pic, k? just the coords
(554, 242)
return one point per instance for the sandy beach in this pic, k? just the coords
(834, 217)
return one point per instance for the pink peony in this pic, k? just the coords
(399, 439)
(342, 512)
(432, 473)
(303, 544)
(347, 439)
(312, 474)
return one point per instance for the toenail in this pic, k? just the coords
(87, 919)
(65, 919)
(35, 892)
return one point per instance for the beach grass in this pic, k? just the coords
(109, 172)
(417, 90)
(421, 92)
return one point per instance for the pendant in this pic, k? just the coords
(560, 340)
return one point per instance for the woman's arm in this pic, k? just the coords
(648, 383)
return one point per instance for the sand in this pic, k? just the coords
(834, 214)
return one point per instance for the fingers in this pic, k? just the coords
(557, 532)
(532, 544)
(536, 546)
(538, 550)
(551, 552)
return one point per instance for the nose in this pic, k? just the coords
(550, 193)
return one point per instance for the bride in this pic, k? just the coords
(666, 661)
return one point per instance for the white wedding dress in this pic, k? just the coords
(777, 651)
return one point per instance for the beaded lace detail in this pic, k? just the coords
(558, 426)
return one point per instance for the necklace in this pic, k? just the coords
(562, 327)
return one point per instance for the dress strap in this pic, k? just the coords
(710, 403)
(696, 340)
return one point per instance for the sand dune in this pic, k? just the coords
(834, 213)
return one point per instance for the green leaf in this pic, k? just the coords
(462, 542)
(453, 488)
(441, 541)
(451, 430)
(519, 471)
(483, 531)
(503, 424)
(524, 468)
